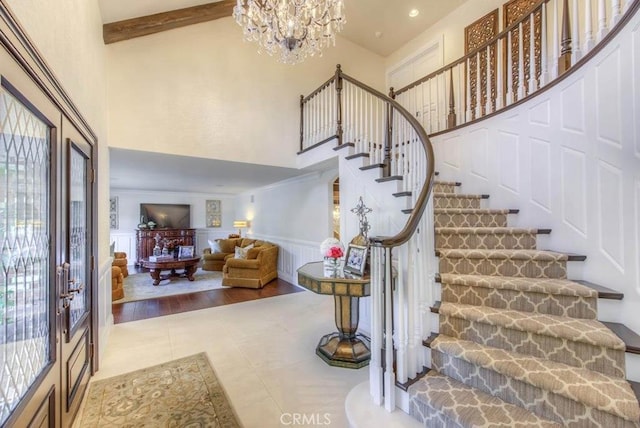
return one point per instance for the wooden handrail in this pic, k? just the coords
(320, 88)
(474, 52)
(421, 202)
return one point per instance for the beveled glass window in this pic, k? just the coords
(24, 243)
(78, 249)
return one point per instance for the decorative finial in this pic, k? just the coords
(361, 210)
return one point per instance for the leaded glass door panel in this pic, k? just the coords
(28, 304)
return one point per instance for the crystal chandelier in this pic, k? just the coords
(290, 29)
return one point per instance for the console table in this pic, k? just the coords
(145, 240)
(342, 348)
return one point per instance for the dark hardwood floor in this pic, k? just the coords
(151, 308)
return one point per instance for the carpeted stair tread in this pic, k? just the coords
(588, 331)
(484, 230)
(464, 406)
(471, 211)
(598, 391)
(447, 183)
(535, 285)
(539, 255)
(457, 196)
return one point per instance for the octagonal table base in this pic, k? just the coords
(351, 353)
(345, 348)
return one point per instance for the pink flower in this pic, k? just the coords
(335, 252)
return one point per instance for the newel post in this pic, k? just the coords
(564, 62)
(301, 122)
(338, 78)
(386, 169)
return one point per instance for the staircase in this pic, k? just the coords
(518, 344)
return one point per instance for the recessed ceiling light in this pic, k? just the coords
(413, 13)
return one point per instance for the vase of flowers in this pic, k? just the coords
(332, 250)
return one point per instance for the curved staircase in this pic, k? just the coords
(519, 343)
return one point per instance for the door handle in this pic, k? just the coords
(78, 289)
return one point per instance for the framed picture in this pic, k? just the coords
(185, 251)
(214, 213)
(356, 259)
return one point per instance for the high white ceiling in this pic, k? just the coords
(365, 18)
(133, 169)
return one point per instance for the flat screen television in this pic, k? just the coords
(167, 216)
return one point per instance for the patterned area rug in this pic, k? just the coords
(140, 286)
(180, 393)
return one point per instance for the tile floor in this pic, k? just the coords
(263, 352)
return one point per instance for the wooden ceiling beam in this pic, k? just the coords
(151, 24)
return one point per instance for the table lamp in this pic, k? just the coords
(240, 224)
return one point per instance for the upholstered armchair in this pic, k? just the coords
(117, 282)
(258, 269)
(120, 260)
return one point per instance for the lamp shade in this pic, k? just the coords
(240, 224)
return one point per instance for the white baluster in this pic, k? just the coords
(533, 83)
(615, 13)
(468, 76)
(509, 70)
(460, 106)
(556, 41)
(400, 298)
(576, 54)
(520, 62)
(499, 74)
(544, 71)
(487, 107)
(602, 19)
(478, 87)
(389, 377)
(375, 364)
(588, 27)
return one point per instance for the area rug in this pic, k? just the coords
(180, 393)
(140, 286)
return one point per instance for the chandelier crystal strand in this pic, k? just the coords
(290, 29)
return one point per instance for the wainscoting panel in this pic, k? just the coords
(573, 100)
(579, 171)
(540, 114)
(125, 242)
(105, 317)
(478, 144)
(292, 254)
(609, 96)
(610, 205)
(509, 158)
(540, 173)
(574, 200)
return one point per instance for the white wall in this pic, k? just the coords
(569, 159)
(296, 214)
(69, 36)
(202, 91)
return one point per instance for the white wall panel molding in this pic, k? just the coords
(608, 99)
(509, 159)
(105, 316)
(637, 235)
(573, 103)
(479, 145)
(540, 173)
(635, 84)
(540, 114)
(610, 210)
(574, 189)
(292, 254)
(579, 175)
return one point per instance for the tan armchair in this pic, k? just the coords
(215, 261)
(258, 269)
(117, 282)
(120, 260)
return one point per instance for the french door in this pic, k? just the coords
(46, 265)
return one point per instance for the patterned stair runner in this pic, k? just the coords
(519, 344)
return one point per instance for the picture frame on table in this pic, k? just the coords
(356, 259)
(185, 251)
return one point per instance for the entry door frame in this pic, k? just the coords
(15, 41)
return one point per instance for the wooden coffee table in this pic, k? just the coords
(190, 265)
